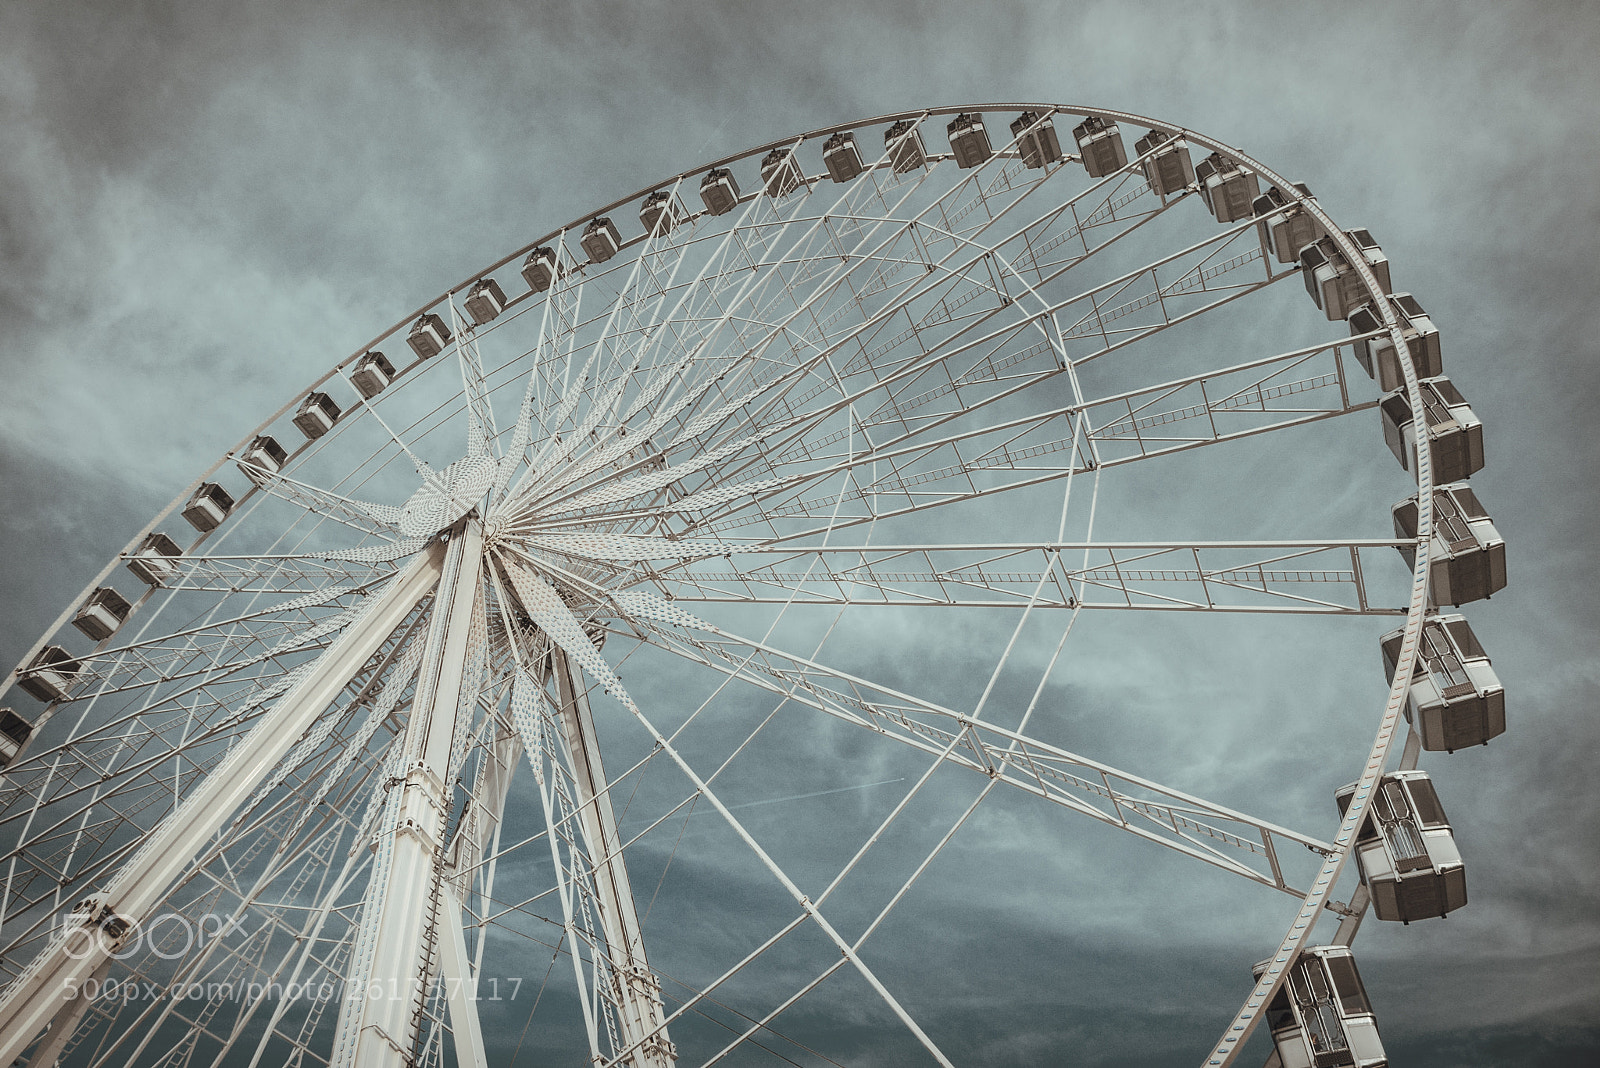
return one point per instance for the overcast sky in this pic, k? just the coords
(202, 206)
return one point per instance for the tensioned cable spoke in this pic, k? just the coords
(363, 516)
(1145, 808)
(907, 369)
(559, 623)
(1260, 396)
(281, 573)
(110, 789)
(944, 304)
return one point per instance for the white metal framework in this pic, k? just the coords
(596, 525)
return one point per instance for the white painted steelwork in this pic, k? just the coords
(851, 390)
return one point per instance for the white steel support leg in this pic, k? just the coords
(101, 923)
(460, 985)
(379, 1018)
(638, 991)
(55, 1040)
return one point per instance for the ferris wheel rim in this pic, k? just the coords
(1418, 598)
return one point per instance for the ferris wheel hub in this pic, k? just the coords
(445, 496)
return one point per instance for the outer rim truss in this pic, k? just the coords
(1315, 899)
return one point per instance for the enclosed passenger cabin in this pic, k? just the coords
(600, 240)
(780, 172)
(1168, 168)
(539, 270)
(1405, 850)
(1456, 698)
(14, 734)
(719, 191)
(103, 614)
(317, 414)
(1320, 1017)
(1466, 555)
(1377, 354)
(1228, 188)
(208, 507)
(969, 140)
(658, 214)
(373, 372)
(152, 562)
(842, 158)
(485, 301)
(903, 142)
(1099, 146)
(1284, 227)
(1330, 279)
(1454, 434)
(1036, 138)
(264, 454)
(428, 336)
(51, 675)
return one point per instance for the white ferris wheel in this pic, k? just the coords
(501, 627)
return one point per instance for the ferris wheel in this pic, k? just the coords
(491, 641)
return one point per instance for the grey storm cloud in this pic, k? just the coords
(203, 206)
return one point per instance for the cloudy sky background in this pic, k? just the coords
(203, 206)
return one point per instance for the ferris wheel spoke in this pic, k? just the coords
(1246, 576)
(1165, 292)
(1245, 395)
(879, 282)
(1217, 835)
(704, 790)
(1195, 273)
(720, 463)
(124, 797)
(235, 958)
(547, 610)
(928, 338)
(362, 516)
(284, 573)
(1031, 237)
(211, 698)
(214, 653)
(637, 304)
(1107, 211)
(530, 424)
(751, 284)
(182, 724)
(480, 412)
(258, 962)
(866, 933)
(686, 351)
(1263, 396)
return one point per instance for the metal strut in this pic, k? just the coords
(635, 986)
(378, 1018)
(101, 922)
